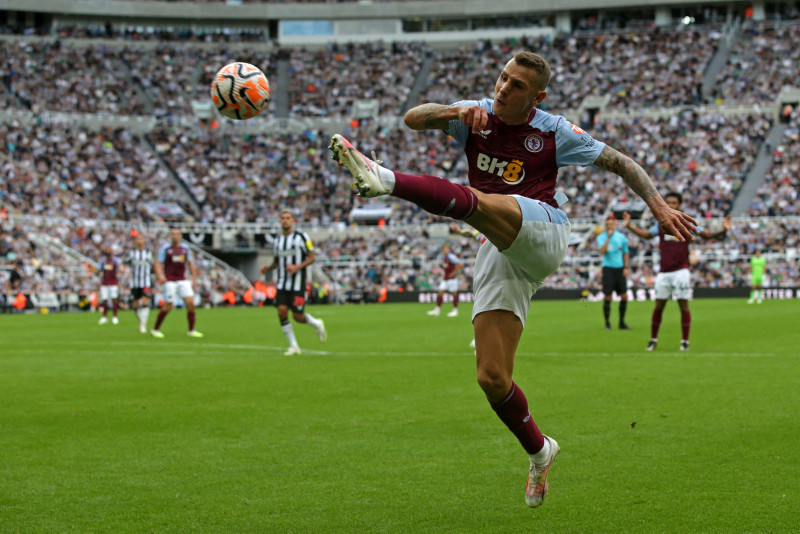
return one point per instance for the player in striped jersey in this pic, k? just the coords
(293, 252)
(141, 262)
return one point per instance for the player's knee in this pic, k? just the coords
(299, 317)
(494, 383)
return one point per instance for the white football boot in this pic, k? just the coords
(364, 170)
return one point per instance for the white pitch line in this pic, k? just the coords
(183, 348)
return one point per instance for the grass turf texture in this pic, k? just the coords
(384, 429)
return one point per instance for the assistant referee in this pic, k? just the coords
(616, 260)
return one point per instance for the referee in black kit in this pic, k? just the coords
(293, 252)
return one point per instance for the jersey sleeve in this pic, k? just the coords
(162, 254)
(654, 230)
(454, 259)
(457, 129)
(601, 239)
(307, 243)
(574, 146)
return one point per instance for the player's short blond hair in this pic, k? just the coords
(538, 64)
(287, 210)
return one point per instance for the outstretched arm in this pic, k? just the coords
(438, 117)
(672, 221)
(644, 234)
(726, 225)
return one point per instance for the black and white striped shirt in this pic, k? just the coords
(291, 249)
(141, 262)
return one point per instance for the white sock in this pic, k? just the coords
(143, 312)
(541, 456)
(313, 321)
(387, 177)
(288, 331)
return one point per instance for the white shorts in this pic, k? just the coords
(451, 286)
(676, 283)
(109, 293)
(181, 288)
(507, 280)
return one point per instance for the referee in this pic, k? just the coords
(141, 262)
(616, 260)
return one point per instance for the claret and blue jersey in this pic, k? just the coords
(523, 159)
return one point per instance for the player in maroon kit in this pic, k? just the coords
(513, 151)
(452, 266)
(109, 269)
(673, 278)
(170, 267)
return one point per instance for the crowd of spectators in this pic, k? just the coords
(704, 157)
(763, 60)
(57, 169)
(645, 68)
(328, 82)
(778, 193)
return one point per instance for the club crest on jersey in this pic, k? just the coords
(510, 171)
(534, 143)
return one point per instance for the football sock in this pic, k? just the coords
(313, 321)
(116, 307)
(455, 300)
(160, 319)
(542, 455)
(190, 316)
(288, 332)
(623, 306)
(655, 323)
(439, 300)
(607, 310)
(104, 307)
(686, 323)
(143, 312)
(436, 195)
(513, 411)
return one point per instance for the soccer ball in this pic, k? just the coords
(240, 91)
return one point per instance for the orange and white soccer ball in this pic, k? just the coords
(240, 91)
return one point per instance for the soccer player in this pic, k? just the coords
(293, 252)
(673, 278)
(513, 152)
(170, 267)
(452, 266)
(141, 261)
(616, 262)
(758, 265)
(109, 289)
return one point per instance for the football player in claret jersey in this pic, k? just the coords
(293, 252)
(109, 269)
(513, 154)
(451, 267)
(673, 279)
(141, 262)
(172, 262)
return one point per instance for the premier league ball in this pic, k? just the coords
(240, 91)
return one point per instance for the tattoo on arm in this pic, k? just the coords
(631, 172)
(430, 117)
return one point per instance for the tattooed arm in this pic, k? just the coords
(438, 117)
(672, 221)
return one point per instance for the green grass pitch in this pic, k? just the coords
(384, 429)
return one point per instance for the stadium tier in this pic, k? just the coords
(103, 124)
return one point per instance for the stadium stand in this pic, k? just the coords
(166, 162)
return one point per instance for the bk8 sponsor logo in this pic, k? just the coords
(510, 171)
